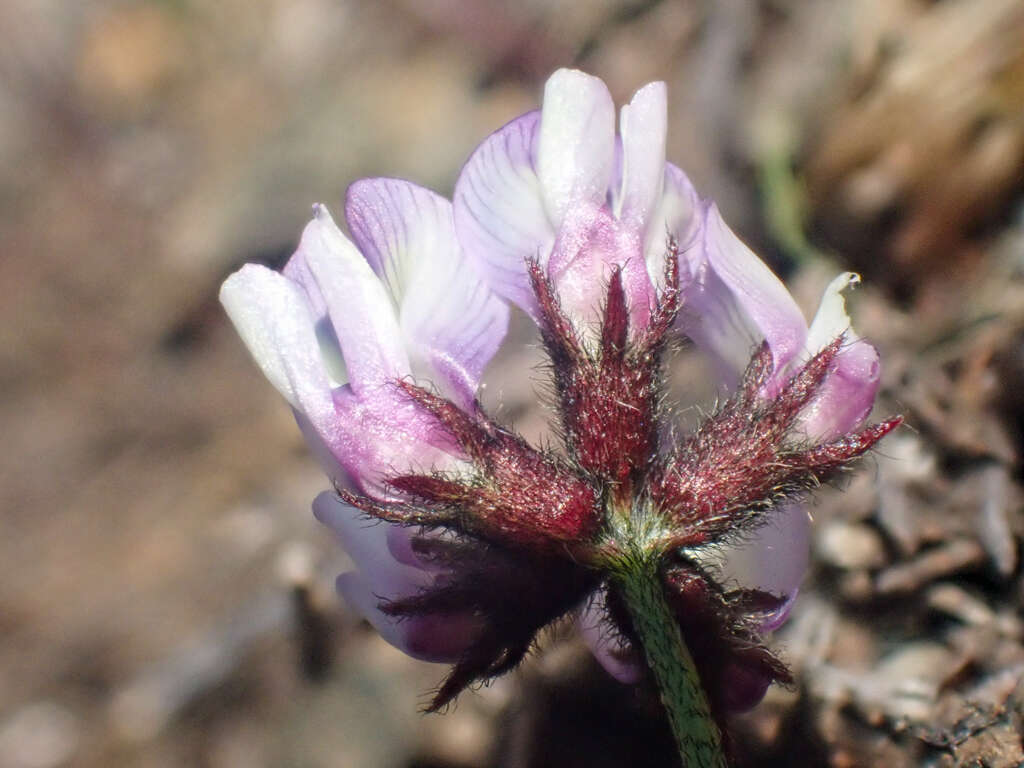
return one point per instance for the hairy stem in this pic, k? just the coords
(689, 715)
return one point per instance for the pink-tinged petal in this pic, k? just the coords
(576, 149)
(644, 126)
(499, 210)
(400, 545)
(846, 397)
(677, 214)
(772, 560)
(612, 651)
(437, 638)
(275, 322)
(451, 322)
(399, 541)
(591, 243)
(383, 433)
(319, 444)
(733, 301)
(848, 394)
(357, 302)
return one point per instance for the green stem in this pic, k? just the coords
(689, 715)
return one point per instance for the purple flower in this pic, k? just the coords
(335, 332)
(486, 539)
(560, 187)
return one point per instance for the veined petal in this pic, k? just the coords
(576, 149)
(451, 322)
(359, 307)
(275, 322)
(733, 301)
(499, 210)
(644, 127)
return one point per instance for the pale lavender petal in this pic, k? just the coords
(678, 214)
(366, 542)
(576, 147)
(322, 451)
(778, 617)
(591, 243)
(275, 322)
(359, 307)
(644, 126)
(437, 638)
(772, 560)
(298, 271)
(499, 210)
(381, 577)
(847, 396)
(451, 322)
(611, 650)
(733, 301)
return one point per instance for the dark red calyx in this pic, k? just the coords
(608, 392)
(515, 594)
(516, 495)
(746, 457)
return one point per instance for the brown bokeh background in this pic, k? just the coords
(165, 596)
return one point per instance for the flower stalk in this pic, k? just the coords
(689, 713)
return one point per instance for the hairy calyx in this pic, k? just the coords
(531, 534)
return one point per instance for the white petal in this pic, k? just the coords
(499, 210)
(733, 301)
(644, 126)
(359, 306)
(275, 322)
(831, 319)
(451, 322)
(576, 150)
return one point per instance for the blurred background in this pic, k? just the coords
(165, 595)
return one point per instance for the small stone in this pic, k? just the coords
(960, 604)
(41, 735)
(931, 565)
(851, 546)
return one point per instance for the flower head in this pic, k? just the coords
(346, 321)
(488, 539)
